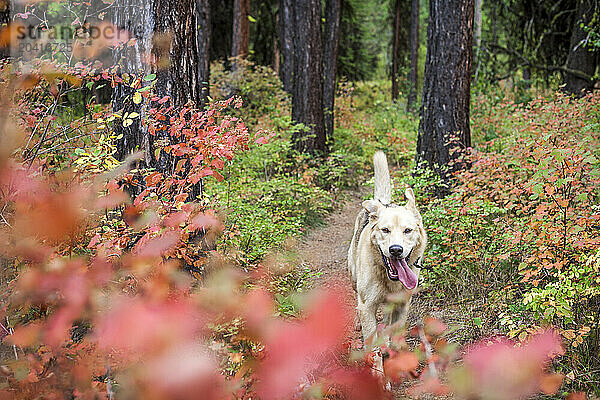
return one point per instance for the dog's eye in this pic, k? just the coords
(385, 230)
(407, 231)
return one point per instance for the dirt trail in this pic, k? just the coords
(324, 249)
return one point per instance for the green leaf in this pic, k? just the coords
(150, 77)
(251, 18)
(477, 321)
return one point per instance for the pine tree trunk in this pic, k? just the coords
(276, 52)
(444, 124)
(241, 29)
(177, 51)
(130, 60)
(307, 95)
(477, 21)
(286, 43)
(331, 42)
(204, 34)
(395, 51)
(581, 58)
(413, 78)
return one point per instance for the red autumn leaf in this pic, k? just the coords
(356, 384)
(550, 383)
(141, 325)
(577, 396)
(500, 370)
(262, 140)
(111, 200)
(399, 365)
(157, 246)
(434, 326)
(292, 347)
(185, 371)
(205, 221)
(26, 335)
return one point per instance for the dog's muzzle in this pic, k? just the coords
(398, 270)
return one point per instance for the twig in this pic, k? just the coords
(428, 353)
(10, 332)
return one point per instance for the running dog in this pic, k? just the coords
(386, 250)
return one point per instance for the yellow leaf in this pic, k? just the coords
(137, 98)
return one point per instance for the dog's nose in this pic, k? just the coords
(396, 251)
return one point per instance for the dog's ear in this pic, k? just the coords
(411, 203)
(372, 207)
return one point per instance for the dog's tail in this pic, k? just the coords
(383, 184)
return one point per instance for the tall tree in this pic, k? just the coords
(307, 94)
(477, 22)
(444, 123)
(330, 55)
(130, 60)
(221, 25)
(176, 51)
(396, 48)
(413, 77)
(241, 28)
(286, 40)
(582, 59)
(204, 34)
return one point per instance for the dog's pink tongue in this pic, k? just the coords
(405, 274)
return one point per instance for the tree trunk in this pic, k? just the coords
(477, 21)
(581, 58)
(444, 124)
(130, 60)
(307, 95)
(204, 33)
(176, 51)
(286, 43)
(413, 79)
(276, 52)
(395, 51)
(241, 29)
(332, 36)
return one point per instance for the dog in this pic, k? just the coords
(386, 250)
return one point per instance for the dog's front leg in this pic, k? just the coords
(368, 320)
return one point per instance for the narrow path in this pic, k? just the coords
(324, 250)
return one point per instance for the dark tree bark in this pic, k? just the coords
(307, 95)
(130, 61)
(330, 52)
(396, 49)
(413, 78)
(286, 43)
(221, 26)
(241, 29)
(176, 51)
(444, 124)
(581, 58)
